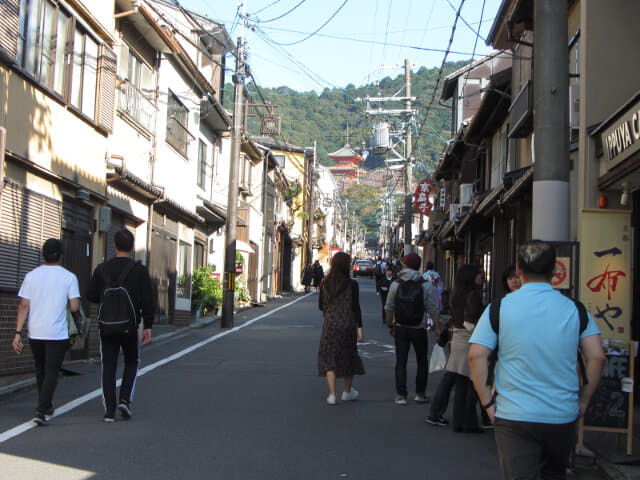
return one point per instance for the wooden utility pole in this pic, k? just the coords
(229, 281)
(408, 204)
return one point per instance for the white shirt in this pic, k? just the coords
(48, 289)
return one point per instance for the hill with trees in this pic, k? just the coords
(324, 116)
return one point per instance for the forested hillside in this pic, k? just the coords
(309, 116)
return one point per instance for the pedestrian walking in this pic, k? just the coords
(385, 283)
(378, 272)
(130, 279)
(318, 274)
(466, 307)
(342, 329)
(45, 293)
(409, 298)
(538, 390)
(307, 278)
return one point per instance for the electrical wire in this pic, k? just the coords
(284, 14)
(475, 43)
(264, 8)
(406, 23)
(386, 30)
(319, 28)
(476, 32)
(444, 60)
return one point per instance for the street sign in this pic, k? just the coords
(561, 276)
(421, 196)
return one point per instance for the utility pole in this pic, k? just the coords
(408, 204)
(551, 123)
(309, 164)
(229, 280)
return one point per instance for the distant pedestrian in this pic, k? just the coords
(385, 283)
(466, 307)
(538, 397)
(307, 278)
(510, 280)
(338, 353)
(318, 274)
(378, 272)
(44, 295)
(409, 299)
(121, 272)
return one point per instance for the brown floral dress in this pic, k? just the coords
(338, 350)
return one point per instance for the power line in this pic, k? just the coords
(284, 14)
(444, 60)
(264, 8)
(475, 43)
(386, 30)
(319, 28)
(477, 32)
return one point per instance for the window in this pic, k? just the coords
(178, 135)
(184, 270)
(136, 90)
(84, 73)
(245, 173)
(279, 160)
(202, 163)
(42, 42)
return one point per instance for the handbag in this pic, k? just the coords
(78, 324)
(438, 360)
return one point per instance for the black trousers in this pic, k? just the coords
(534, 450)
(464, 404)
(48, 356)
(110, 346)
(404, 338)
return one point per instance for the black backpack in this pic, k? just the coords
(494, 318)
(116, 314)
(377, 270)
(409, 305)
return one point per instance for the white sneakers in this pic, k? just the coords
(349, 396)
(400, 400)
(346, 397)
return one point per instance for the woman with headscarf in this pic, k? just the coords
(338, 353)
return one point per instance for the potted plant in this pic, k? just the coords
(207, 291)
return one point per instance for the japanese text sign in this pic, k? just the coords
(421, 196)
(605, 270)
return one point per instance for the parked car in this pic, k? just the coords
(363, 267)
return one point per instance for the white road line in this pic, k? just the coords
(20, 429)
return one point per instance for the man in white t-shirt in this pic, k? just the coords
(44, 295)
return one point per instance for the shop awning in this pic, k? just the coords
(518, 186)
(132, 185)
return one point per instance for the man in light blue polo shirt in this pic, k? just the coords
(538, 392)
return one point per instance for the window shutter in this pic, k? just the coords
(9, 26)
(107, 65)
(27, 219)
(10, 217)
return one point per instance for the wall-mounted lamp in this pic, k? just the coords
(624, 198)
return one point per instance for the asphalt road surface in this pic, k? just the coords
(245, 404)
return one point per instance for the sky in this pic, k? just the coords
(364, 42)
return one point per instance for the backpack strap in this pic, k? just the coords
(494, 314)
(124, 273)
(584, 321)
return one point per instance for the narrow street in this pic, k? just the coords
(247, 405)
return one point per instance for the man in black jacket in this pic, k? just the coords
(138, 285)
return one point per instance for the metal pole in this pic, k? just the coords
(408, 204)
(232, 202)
(551, 123)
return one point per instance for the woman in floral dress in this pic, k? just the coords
(342, 329)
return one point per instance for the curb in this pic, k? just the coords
(30, 382)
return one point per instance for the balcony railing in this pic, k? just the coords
(136, 105)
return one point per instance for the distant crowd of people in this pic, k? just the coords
(530, 390)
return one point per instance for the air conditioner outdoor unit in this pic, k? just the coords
(454, 209)
(466, 192)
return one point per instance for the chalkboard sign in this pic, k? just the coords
(609, 406)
